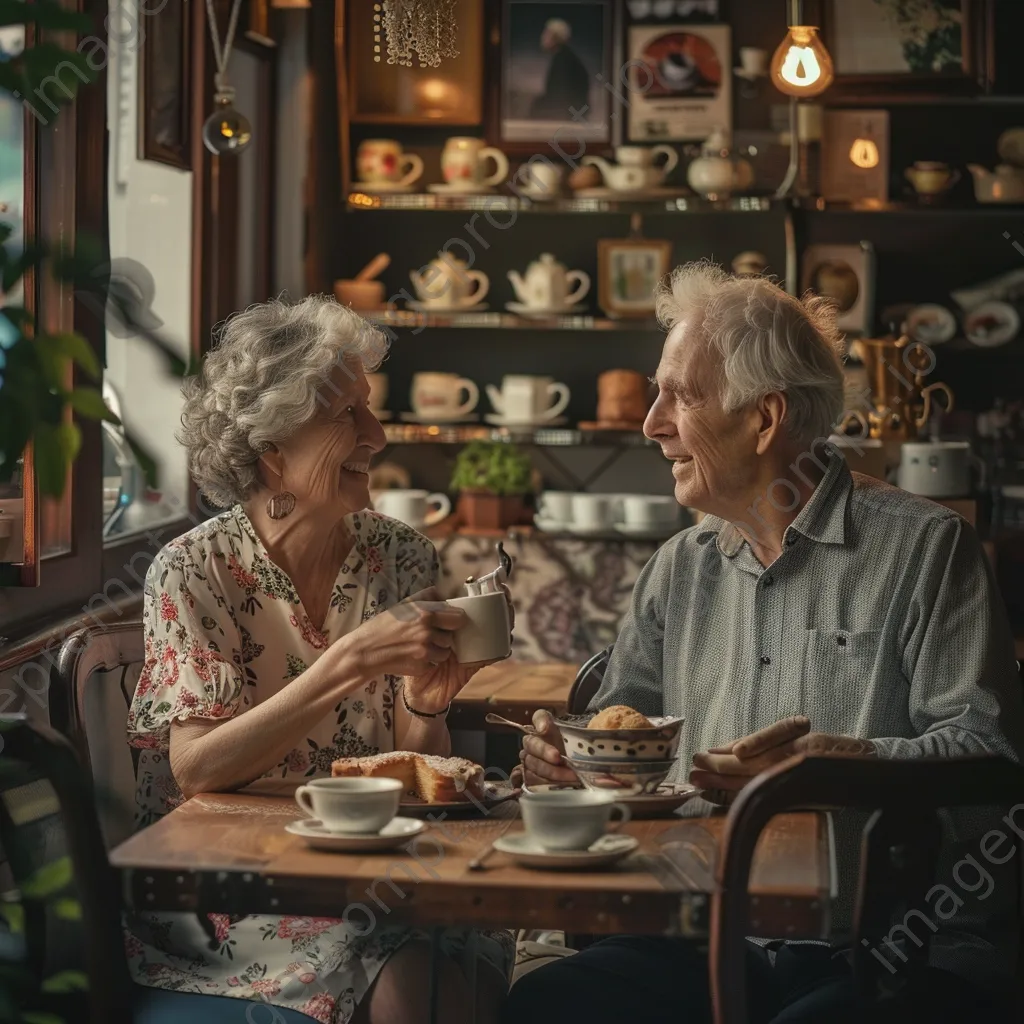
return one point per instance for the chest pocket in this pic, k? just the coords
(838, 666)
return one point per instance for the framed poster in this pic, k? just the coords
(680, 81)
(165, 79)
(629, 271)
(554, 58)
(892, 47)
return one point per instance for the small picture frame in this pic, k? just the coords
(855, 157)
(680, 81)
(629, 271)
(165, 88)
(846, 275)
(554, 58)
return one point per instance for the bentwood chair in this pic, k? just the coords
(588, 681)
(899, 854)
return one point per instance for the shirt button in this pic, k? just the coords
(792, 539)
(765, 660)
(767, 580)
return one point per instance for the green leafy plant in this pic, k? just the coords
(492, 466)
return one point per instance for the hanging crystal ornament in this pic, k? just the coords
(425, 28)
(225, 130)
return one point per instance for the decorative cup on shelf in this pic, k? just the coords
(538, 179)
(649, 511)
(753, 62)
(382, 160)
(622, 397)
(929, 178)
(548, 285)
(593, 511)
(439, 394)
(462, 163)
(413, 507)
(448, 283)
(527, 399)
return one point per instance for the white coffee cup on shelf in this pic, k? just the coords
(462, 162)
(525, 398)
(439, 394)
(487, 635)
(413, 507)
(593, 511)
(378, 391)
(357, 805)
(538, 178)
(382, 160)
(555, 506)
(569, 819)
(649, 510)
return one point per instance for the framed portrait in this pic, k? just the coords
(915, 47)
(681, 81)
(554, 58)
(165, 79)
(383, 93)
(628, 271)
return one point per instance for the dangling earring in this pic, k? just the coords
(281, 504)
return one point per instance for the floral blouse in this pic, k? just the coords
(225, 630)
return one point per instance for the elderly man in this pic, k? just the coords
(567, 84)
(812, 609)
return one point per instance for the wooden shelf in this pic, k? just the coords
(450, 528)
(364, 201)
(496, 320)
(544, 437)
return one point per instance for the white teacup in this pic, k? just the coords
(462, 162)
(592, 511)
(539, 178)
(649, 510)
(438, 394)
(411, 506)
(487, 636)
(754, 61)
(351, 805)
(378, 390)
(555, 506)
(525, 398)
(569, 819)
(382, 160)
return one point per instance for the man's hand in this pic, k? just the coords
(732, 766)
(541, 755)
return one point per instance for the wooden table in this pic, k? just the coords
(514, 690)
(229, 853)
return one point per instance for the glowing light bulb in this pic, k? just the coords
(801, 65)
(864, 153)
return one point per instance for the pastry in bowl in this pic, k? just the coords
(621, 733)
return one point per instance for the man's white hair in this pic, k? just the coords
(763, 340)
(560, 29)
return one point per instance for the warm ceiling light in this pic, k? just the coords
(864, 153)
(802, 66)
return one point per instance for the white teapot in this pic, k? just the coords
(636, 168)
(716, 174)
(547, 282)
(448, 283)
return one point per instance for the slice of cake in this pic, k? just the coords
(428, 777)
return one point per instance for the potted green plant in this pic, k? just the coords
(491, 479)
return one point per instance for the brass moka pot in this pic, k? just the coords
(901, 403)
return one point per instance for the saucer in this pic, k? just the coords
(664, 800)
(423, 307)
(500, 421)
(461, 189)
(647, 532)
(538, 195)
(394, 833)
(551, 525)
(383, 415)
(438, 421)
(525, 850)
(541, 311)
(382, 187)
(605, 192)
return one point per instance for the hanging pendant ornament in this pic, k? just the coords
(225, 130)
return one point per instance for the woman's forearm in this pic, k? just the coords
(211, 756)
(423, 735)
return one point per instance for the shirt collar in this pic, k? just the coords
(822, 519)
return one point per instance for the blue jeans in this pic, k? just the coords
(641, 980)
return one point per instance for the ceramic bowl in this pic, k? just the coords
(658, 744)
(638, 776)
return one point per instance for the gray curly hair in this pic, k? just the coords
(263, 379)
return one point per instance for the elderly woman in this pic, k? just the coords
(812, 610)
(296, 628)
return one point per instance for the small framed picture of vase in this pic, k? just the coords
(629, 271)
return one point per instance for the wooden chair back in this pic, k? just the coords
(588, 681)
(898, 857)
